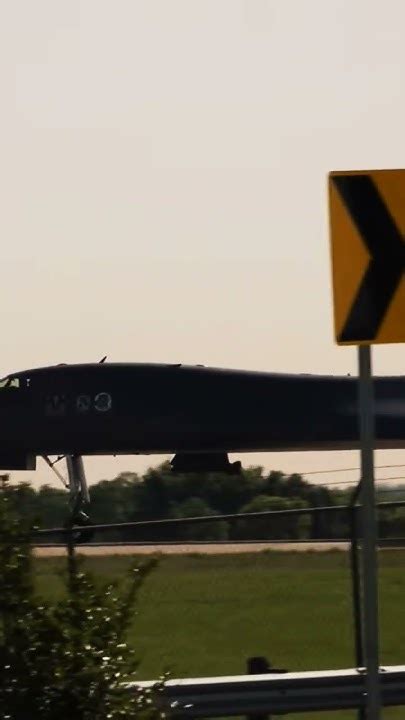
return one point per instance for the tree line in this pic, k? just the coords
(160, 494)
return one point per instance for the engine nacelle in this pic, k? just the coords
(204, 462)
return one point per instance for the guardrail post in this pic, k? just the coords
(258, 666)
(261, 666)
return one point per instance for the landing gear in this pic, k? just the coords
(79, 497)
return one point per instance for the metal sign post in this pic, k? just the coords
(367, 232)
(369, 524)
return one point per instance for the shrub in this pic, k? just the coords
(277, 527)
(65, 660)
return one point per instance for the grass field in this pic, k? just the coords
(205, 615)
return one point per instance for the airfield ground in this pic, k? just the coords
(202, 615)
(203, 549)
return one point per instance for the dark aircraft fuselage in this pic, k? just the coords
(117, 408)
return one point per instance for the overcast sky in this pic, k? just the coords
(163, 182)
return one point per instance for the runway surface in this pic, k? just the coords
(201, 549)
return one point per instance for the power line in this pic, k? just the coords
(352, 469)
(354, 482)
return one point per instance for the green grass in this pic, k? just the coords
(205, 615)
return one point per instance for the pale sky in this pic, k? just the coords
(163, 182)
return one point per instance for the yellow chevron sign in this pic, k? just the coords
(367, 232)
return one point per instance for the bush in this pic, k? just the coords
(284, 527)
(65, 660)
(195, 507)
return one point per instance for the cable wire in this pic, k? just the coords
(352, 469)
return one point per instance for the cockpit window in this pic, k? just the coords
(9, 382)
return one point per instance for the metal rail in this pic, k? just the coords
(274, 694)
(383, 543)
(216, 518)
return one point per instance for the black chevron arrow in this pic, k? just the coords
(385, 244)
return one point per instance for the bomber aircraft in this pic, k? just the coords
(198, 414)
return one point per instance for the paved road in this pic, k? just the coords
(203, 549)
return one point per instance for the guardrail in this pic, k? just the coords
(273, 693)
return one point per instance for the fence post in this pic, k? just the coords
(258, 666)
(261, 666)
